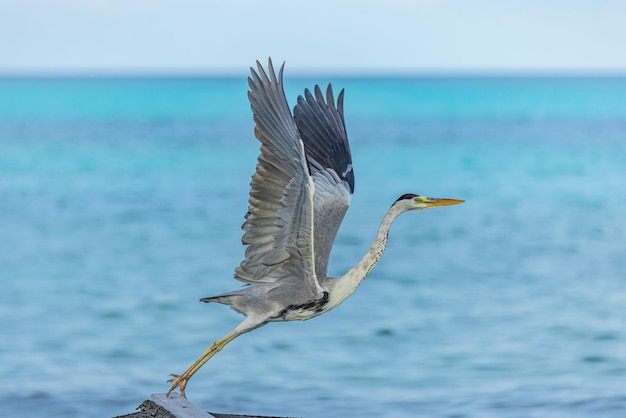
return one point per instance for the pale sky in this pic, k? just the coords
(349, 36)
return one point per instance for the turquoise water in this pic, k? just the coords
(121, 202)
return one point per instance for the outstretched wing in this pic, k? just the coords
(279, 223)
(322, 128)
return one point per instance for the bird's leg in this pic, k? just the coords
(180, 381)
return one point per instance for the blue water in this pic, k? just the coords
(121, 202)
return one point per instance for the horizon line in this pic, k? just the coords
(360, 74)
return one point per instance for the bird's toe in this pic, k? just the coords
(177, 381)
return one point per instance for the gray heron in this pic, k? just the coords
(299, 194)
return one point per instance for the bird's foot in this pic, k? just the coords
(178, 381)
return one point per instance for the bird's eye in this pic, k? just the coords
(419, 199)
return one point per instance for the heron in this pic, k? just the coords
(299, 194)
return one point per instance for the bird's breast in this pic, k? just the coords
(303, 311)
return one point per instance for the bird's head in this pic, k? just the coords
(411, 201)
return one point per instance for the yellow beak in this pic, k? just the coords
(434, 202)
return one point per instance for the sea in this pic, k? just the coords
(121, 202)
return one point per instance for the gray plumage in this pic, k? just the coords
(299, 194)
(295, 161)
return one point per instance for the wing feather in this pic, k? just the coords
(302, 186)
(321, 127)
(278, 229)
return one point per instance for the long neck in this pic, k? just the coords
(352, 279)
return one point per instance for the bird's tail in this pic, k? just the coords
(225, 298)
(219, 299)
(232, 299)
